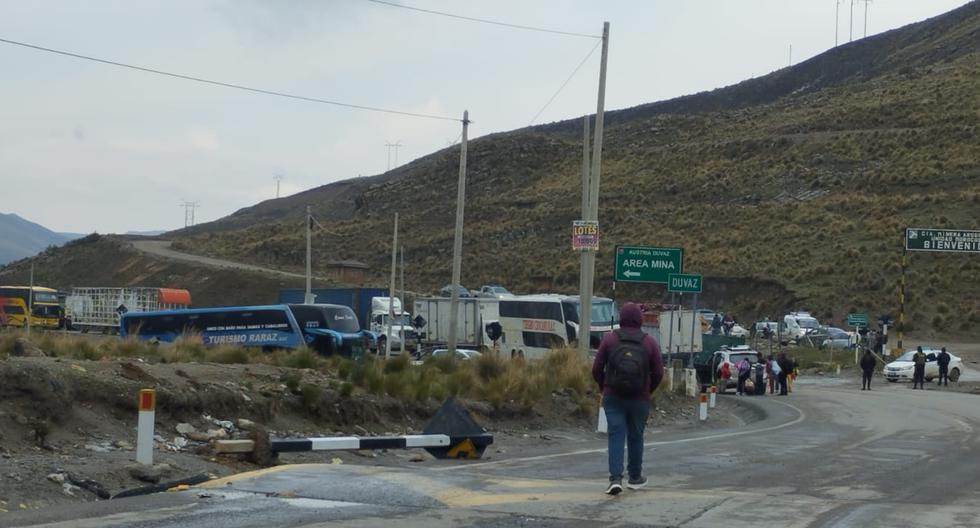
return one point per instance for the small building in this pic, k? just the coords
(348, 271)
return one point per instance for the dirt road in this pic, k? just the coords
(162, 248)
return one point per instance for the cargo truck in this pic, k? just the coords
(357, 299)
(88, 309)
(473, 316)
(401, 325)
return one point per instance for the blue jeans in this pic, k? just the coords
(627, 419)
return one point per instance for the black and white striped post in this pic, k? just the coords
(439, 445)
(349, 443)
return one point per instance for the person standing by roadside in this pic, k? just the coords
(724, 374)
(728, 322)
(744, 369)
(791, 373)
(867, 369)
(783, 363)
(760, 382)
(716, 325)
(627, 367)
(943, 361)
(919, 374)
(774, 370)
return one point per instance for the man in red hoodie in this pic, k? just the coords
(628, 367)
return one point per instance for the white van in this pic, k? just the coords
(798, 324)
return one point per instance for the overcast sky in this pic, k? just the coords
(86, 147)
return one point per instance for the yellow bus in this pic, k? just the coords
(42, 303)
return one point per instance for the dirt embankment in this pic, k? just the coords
(67, 426)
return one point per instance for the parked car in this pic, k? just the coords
(759, 326)
(732, 356)
(903, 367)
(739, 331)
(447, 291)
(493, 290)
(461, 353)
(833, 337)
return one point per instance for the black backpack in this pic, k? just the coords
(628, 366)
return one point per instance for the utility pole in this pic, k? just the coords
(584, 337)
(395, 146)
(308, 296)
(790, 54)
(391, 290)
(851, 34)
(30, 301)
(458, 241)
(836, 21)
(401, 300)
(866, 2)
(278, 178)
(585, 324)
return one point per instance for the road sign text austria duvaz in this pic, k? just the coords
(647, 264)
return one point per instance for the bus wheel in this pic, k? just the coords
(382, 345)
(513, 354)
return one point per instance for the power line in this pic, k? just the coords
(225, 84)
(485, 21)
(562, 87)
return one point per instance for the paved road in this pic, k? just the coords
(162, 248)
(827, 455)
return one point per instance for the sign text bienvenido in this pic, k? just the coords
(953, 240)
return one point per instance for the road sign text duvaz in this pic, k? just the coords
(684, 283)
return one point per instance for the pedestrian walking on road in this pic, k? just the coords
(943, 361)
(627, 367)
(784, 369)
(867, 369)
(791, 373)
(919, 374)
(724, 374)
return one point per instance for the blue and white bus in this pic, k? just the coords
(333, 329)
(328, 329)
(268, 327)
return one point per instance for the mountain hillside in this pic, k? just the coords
(790, 190)
(21, 238)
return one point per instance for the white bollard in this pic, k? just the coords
(712, 396)
(703, 407)
(144, 427)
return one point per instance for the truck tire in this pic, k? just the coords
(382, 345)
(954, 375)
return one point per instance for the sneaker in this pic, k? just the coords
(615, 488)
(636, 483)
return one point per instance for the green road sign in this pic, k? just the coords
(647, 264)
(684, 283)
(857, 319)
(954, 240)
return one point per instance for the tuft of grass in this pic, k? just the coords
(346, 389)
(303, 358)
(310, 395)
(397, 364)
(292, 379)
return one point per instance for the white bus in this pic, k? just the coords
(534, 324)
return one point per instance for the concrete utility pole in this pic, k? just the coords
(401, 299)
(836, 21)
(584, 338)
(458, 241)
(866, 2)
(278, 178)
(585, 324)
(790, 54)
(30, 301)
(308, 295)
(851, 34)
(392, 291)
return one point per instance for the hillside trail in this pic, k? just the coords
(163, 248)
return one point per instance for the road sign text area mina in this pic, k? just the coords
(647, 264)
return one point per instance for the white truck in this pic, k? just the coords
(473, 316)
(99, 309)
(798, 324)
(401, 324)
(675, 331)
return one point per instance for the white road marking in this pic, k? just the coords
(798, 419)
